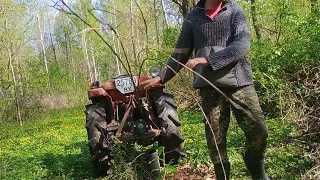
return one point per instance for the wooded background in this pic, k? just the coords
(48, 55)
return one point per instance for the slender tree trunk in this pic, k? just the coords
(255, 20)
(132, 30)
(156, 20)
(118, 41)
(16, 94)
(73, 71)
(280, 27)
(19, 75)
(99, 72)
(279, 22)
(43, 50)
(53, 48)
(51, 40)
(117, 60)
(66, 42)
(86, 55)
(164, 13)
(94, 64)
(114, 42)
(138, 42)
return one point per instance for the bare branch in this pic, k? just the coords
(117, 35)
(147, 36)
(99, 35)
(178, 3)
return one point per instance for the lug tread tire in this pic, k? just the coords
(99, 142)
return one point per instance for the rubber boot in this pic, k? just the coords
(255, 166)
(153, 166)
(219, 171)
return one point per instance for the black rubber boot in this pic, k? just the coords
(152, 165)
(219, 171)
(255, 166)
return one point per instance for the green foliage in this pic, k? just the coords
(276, 63)
(170, 36)
(55, 147)
(160, 56)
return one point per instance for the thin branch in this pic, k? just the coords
(178, 3)
(89, 25)
(147, 37)
(96, 9)
(121, 43)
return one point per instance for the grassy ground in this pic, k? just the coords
(55, 148)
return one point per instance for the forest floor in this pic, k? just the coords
(55, 147)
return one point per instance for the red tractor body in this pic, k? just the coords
(123, 109)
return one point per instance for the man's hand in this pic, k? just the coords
(192, 63)
(150, 83)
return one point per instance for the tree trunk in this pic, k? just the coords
(66, 42)
(99, 73)
(73, 71)
(156, 20)
(53, 48)
(255, 20)
(164, 13)
(86, 55)
(43, 50)
(16, 96)
(114, 42)
(51, 40)
(94, 64)
(132, 30)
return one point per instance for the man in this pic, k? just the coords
(218, 33)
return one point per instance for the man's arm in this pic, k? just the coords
(238, 48)
(181, 53)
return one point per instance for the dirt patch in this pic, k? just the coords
(54, 101)
(186, 172)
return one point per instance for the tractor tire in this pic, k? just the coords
(168, 115)
(99, 142)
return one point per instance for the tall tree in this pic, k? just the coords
(132, 30)
(164, 12)
(156, 20)
(255, 19)
(11, 46)
(41, 34)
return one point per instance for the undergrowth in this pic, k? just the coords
(56, 148)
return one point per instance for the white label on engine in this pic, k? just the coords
(125, 85)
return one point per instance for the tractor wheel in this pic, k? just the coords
(168, 115)
(99, 141)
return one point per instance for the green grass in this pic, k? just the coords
(56, 148)
(53, 148)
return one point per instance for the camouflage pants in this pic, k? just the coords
(249, 117)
